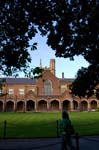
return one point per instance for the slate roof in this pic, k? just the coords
(29, 81)
(66, 79)
(20, 81)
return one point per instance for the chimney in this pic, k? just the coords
(62, 75)
(52, 66)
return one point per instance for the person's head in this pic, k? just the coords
(65, 115)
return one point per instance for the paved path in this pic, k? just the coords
(86, 143)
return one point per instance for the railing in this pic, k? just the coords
(43, 130)
(12, 128)
(7, 126)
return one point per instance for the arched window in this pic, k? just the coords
(47, 87)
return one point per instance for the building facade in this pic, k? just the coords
(47, 93)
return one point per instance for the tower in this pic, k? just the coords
(52, 66)
(40, 63)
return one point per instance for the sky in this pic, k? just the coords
(45, 53)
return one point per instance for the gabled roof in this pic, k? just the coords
(19, 81)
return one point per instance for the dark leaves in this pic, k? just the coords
(86, 82)
(71, 27)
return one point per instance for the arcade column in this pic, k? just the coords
(71, 105)
(48, 105)
(89, 106)
(60, 105)
(35, 107)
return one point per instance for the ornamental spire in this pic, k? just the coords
(40, 63)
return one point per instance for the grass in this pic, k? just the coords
(23, 125)
(86, 123)
(29, 125)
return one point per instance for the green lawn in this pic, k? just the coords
(29, 125)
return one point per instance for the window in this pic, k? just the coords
(63, 86)
(10, 91)
(47, 87)
(21, 91)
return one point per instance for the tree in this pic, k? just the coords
(71, 27)
(86, 82)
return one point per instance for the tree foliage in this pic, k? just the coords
(86, 82)
(71, 27)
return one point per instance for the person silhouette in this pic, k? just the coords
(66, 130)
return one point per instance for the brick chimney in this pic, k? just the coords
(62, 75)
(52, 66)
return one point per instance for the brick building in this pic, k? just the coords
(47, 93)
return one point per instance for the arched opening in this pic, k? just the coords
(9, 106)
(93, 105)
(30, 105)
(1, 106)
(66, 105)
(84, 106)
(42, 105)
(20, 106)
(54, 106)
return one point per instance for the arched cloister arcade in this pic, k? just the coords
(9, 107)
(54, 105)
(48, 105)
(66, 105)
(30, 105)
(84, 105)
(42, 105)
(20, 106)
(93, 104)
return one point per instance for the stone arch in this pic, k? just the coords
(30, 105)
(54, 105)
(75, 105)
(93, 104)
(9, 106)
(20, 106)
(84, 105)
(42, 105)
(66, 105)
(1, 106)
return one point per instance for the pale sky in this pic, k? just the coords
(45, 53)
